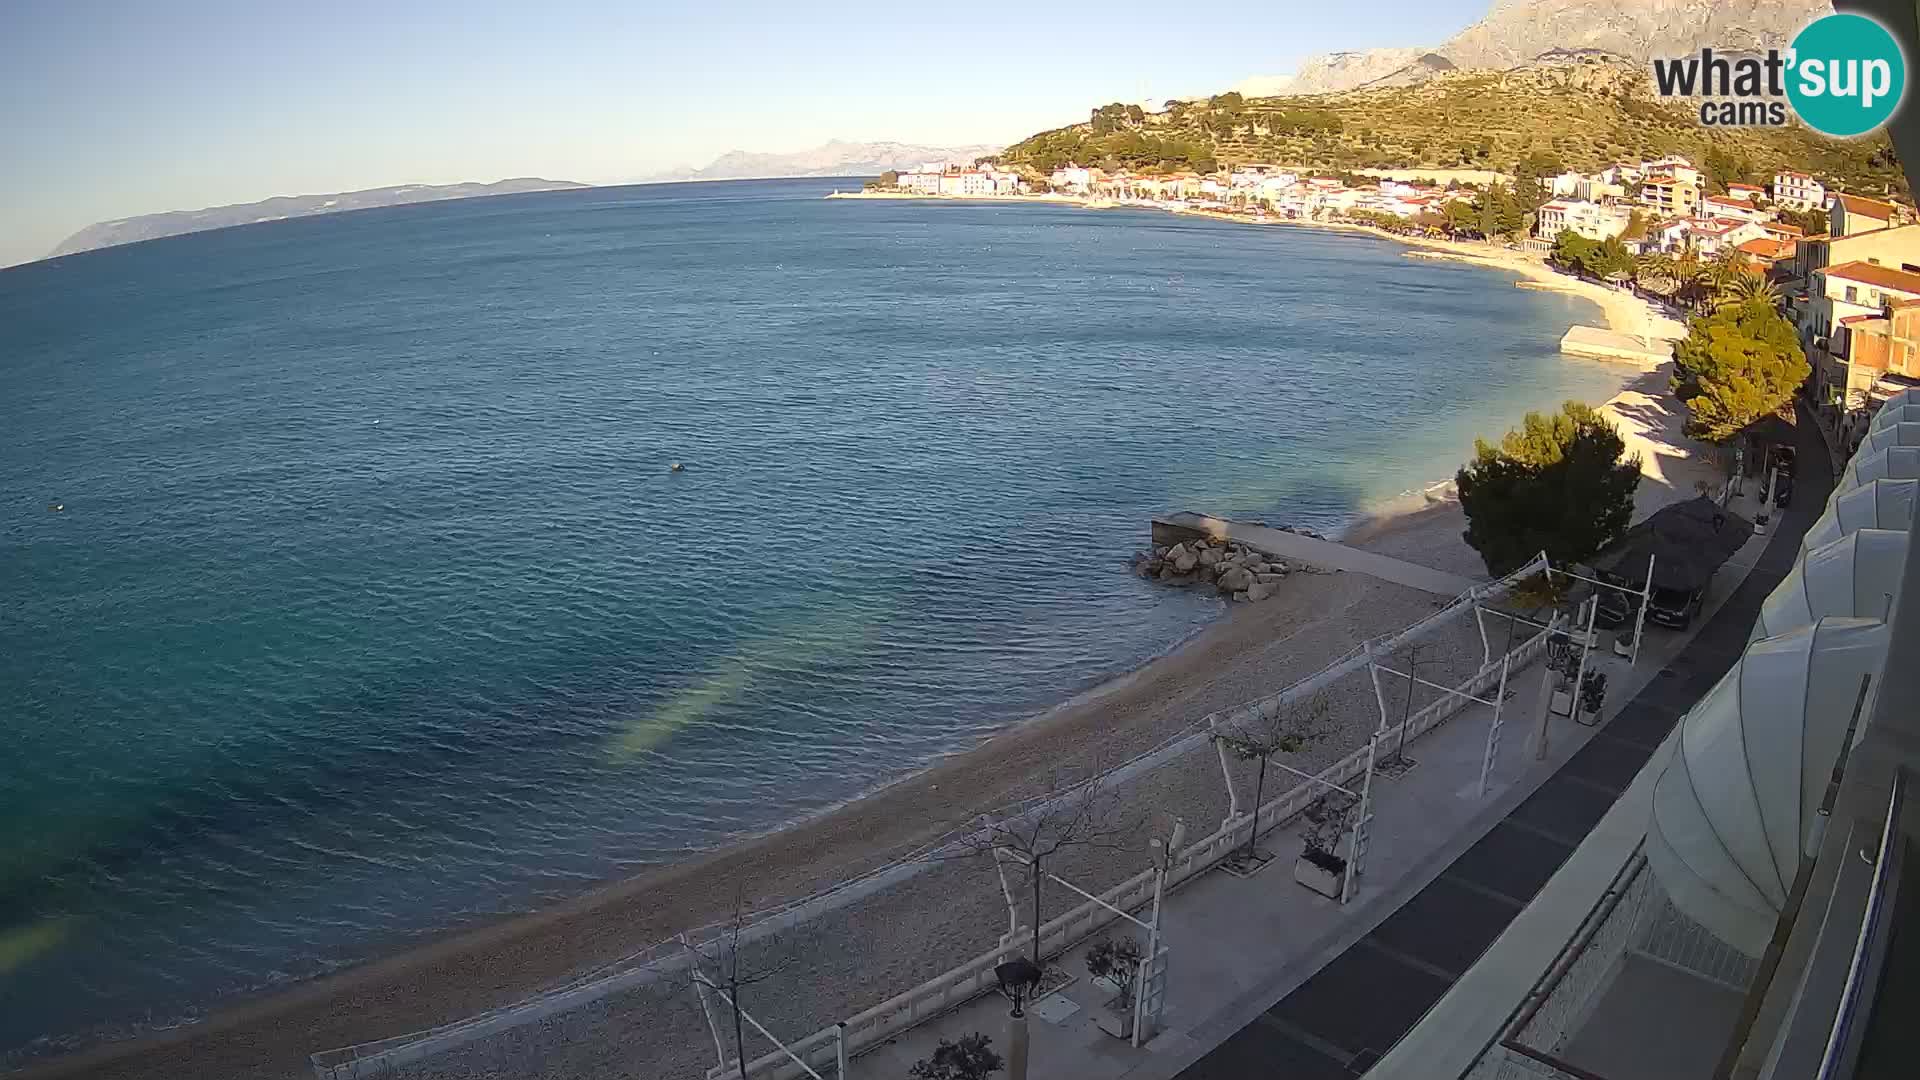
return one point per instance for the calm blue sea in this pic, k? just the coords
(374, 607)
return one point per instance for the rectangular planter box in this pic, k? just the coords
(1318, 878)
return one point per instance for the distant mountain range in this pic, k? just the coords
(1522, 33)
(836, 158)
(176, 222)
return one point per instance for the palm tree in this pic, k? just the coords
(1748, 287)
(1726, 267)
(1655, 272)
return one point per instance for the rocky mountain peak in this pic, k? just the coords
(1518, 33)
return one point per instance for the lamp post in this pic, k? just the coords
(1019, 978)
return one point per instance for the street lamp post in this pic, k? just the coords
(1019, 978)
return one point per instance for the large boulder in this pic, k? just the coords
(1260, 590)
(1185, 561)
(1209, 556)
(1236, 579)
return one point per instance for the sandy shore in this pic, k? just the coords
(1254, 650)
(906, 933)
(1622, 310)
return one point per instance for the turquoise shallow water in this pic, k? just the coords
(374, 608)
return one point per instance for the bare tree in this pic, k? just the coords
(1261, 731)
(731, 972)
(1068, 815)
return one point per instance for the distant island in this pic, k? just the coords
(835, 158)
(176, 222)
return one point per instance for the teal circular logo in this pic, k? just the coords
(1846, 75)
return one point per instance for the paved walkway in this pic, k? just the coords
(1339, 1022)
(1323, 553)
(1268, 979)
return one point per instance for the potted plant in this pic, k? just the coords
(1623, 641)
(1116, 963)
(1320, 866)
(971, 1058)
(1593, 692)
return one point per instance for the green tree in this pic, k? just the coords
(1656, 273)
(1735, 366)
(1462, 218)
(1723, 168)
(1572, 252)
(1612, 261)
(1559, 483)
(1500, 213)
(1751, 287)
(1812, 222)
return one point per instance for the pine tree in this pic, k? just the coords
(1558, 483)
(1736, 366)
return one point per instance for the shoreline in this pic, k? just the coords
(1621, 310)
(456, 973)
(451, 974)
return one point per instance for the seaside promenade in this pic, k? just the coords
(1267, 978)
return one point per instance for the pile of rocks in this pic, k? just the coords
(1234, 569)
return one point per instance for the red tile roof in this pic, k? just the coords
(1880, 277)
(1872, 208)
(1768, 249)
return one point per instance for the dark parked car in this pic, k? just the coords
(1673, 607)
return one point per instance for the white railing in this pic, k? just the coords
(968, 980)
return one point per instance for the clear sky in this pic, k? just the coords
(111, 108)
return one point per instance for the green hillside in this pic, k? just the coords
(1586, 116)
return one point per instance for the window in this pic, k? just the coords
(1853, 295)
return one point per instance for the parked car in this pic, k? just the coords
(1673, 607)
(1616, 608)
(1782, 488)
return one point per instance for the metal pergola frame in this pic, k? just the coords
(704, 986)
(1164, 854)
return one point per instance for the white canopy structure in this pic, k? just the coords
(1857, 575)
(1890, 414)
(1893, 462)
(1892, 433)
(1876, 504)
(1734, 810)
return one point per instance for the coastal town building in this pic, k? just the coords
(1072, 178)
(1767, 255)
(1746, 193)
(1798, 191)
(1669, 195)
(1839, 298)
(1726, 206)
(1873, 357)
(1673, 165)
(1703, 236)
(1780, 230)
(1851, 215)
(1591, 220)
(1621, 173)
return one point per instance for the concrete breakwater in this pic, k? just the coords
(1229, 566)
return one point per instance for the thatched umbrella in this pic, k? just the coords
(1688, 541)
